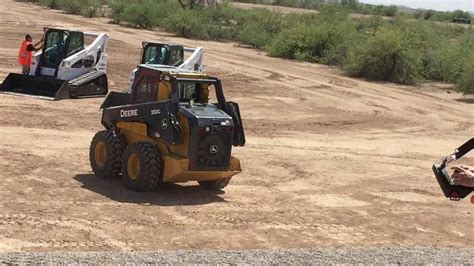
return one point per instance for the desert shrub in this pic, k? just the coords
(446, 62)
(309, 43)
(189, 23)
(465, 82)
(390, 11)
(117, 8)
(294, 43)
(137, 15)
(258, 27)
(254, 34)
(224, 22)
(447, 58)
(91, 8)
(323, 38)
(220, 23)
(343, 38)
(72, 6)
(141, 15)
(388, 55)
(369, 25)
(144, 14)
(54, 4)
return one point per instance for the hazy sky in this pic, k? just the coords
(442, 5)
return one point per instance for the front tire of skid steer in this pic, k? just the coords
(105, 154)
(214, 185)
(141, 167)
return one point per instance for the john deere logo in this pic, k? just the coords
(213, 149)
(164, 124)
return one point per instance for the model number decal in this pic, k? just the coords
(128, 113)
(155, 111)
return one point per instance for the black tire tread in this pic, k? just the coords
(115, 148)
(150, 167)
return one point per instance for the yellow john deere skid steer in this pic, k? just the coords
(166, 130)
(64, 68)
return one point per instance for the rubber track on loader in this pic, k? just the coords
(89, 76)
(75, 84)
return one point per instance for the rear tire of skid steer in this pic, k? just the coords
(105, 154)
(141, 167)
(214, 185)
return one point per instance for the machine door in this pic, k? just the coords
(54, 51)
(145, 86)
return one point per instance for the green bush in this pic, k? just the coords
(71, 6)
(309, 43)
(54, 4)
(258, 27)
(466, 80)
(388, 55)
(117, 8)
(446, 63)
(189, 23)
(91, 8)
(255, 35)
(141, 15)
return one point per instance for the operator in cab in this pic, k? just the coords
(26, 52)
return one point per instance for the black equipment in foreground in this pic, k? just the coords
(451, 191)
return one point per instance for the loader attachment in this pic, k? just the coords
(116, 99)
(41, 87)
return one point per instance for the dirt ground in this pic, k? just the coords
(330, 160)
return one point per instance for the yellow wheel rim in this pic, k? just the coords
(133, 166)
(100, 154)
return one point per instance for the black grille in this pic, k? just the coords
(214, 149)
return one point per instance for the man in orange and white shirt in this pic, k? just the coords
(26, 53)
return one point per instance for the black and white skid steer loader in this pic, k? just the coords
(169, 55)
(65, 68)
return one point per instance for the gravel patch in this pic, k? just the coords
(385, 255)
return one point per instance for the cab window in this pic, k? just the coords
(156, 55)
(197, 92)
(176, 57)
(76, 43)
(54, 50)
(145, 90)
(187, 91)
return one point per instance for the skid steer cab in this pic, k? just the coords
(170, 55)
(65, 68)
(167, 130)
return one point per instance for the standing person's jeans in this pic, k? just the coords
(25, 70)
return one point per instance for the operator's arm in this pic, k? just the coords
(463, 176)
(38, 43)
(31, 48)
